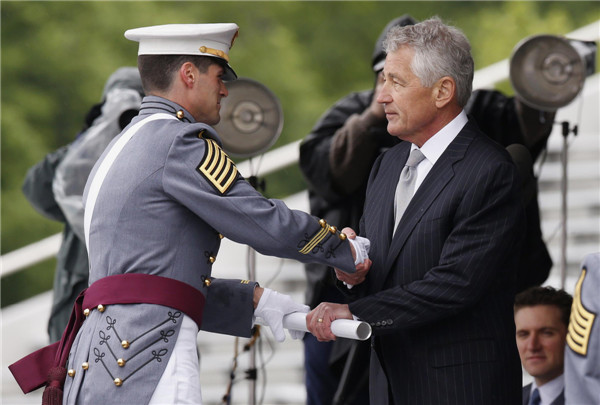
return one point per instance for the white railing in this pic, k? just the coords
(270, 162)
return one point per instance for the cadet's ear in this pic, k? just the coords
(445, 89)
(186, 73)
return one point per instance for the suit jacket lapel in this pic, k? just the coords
(437, 178)
(382, 211)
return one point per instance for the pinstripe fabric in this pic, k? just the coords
(439, 295)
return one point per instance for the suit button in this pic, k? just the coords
(342, 236)
(118, 382)
(179, 114)
(85, 365)
(121, 362)
(211, 259)
(332, 229)
(71, 373)
(86, 311)
(383, 323)
(323, 223)
(207, 282)
(125, 344)
(101, 308)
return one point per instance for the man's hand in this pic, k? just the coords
(318, 321)
(361, 268)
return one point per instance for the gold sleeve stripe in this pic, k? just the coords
(314, 241)
(581, 321)
(217, 167)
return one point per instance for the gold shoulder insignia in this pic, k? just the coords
(217, 167)
(581, 321)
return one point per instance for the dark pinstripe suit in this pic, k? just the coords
(439, 294)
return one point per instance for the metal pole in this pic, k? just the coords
(252, 358)
(563, 250)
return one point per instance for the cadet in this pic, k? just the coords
(157, 204)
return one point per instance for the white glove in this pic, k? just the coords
(361, 247)
(272, 307)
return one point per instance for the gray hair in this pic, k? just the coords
(440, 50)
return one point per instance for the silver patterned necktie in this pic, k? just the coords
(406, 184)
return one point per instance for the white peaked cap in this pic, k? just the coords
(212, 40)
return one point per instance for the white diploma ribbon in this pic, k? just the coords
(346, 328)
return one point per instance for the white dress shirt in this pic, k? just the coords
(436, 145)
(551, 390)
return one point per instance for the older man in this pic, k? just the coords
(444, 226)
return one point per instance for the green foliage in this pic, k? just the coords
(56, 56)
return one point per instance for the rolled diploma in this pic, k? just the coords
(345, 328)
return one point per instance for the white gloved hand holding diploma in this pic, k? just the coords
(271, 309)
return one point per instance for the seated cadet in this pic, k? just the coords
(541, 319)
(157, 204)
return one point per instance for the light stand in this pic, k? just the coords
(251, 373)
(566, 130)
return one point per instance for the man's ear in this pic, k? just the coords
(187, 74)
(445, 89)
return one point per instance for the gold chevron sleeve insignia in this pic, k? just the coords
(315, 240)
(581, 321)
(217, 167)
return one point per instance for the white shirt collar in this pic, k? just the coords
(551, 390)
(437, 144)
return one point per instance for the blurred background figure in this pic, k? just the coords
(582, 356)
(54, 186)
(541, 320)
(336, 158)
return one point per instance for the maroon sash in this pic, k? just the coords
(46, 366)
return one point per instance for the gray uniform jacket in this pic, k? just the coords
(164, 205)
(582, 354)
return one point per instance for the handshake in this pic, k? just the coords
(279, 311)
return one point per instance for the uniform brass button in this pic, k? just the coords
(121, 362)
(207, 282)
(71, 373)
(118, 382)
(211, 259)
(86, 311)
(101, 308)
(125, 344)
(332, 229)
(342, 236)
(179, 114)
(323, 223)
(221, 236)
(203, 49)
(85, 365)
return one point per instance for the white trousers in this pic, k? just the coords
(180, 382)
